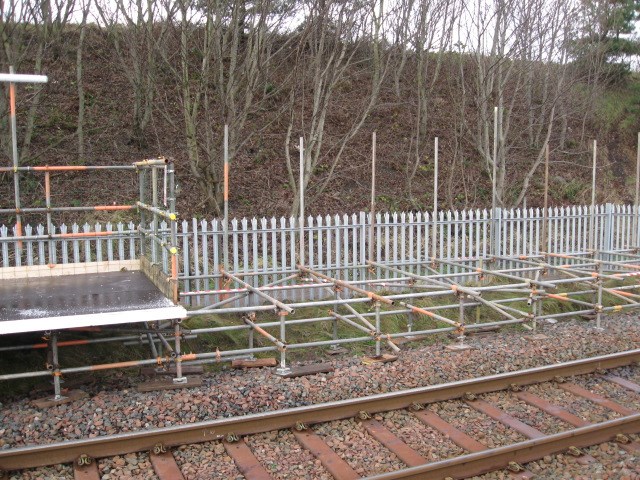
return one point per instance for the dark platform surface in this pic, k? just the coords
(81, 300)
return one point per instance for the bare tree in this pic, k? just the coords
(518, 50)
(224, 51)
(86, 8)
(335, 37)
(30, 27)
(432, 38)
(135, 29)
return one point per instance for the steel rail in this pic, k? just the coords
(69, 451)
(485, 461)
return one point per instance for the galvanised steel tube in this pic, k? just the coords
(370, 295)
(199, 331)
(98, 235)
(342, 301)
(142, 341)
(276, 303)
(70, 343)
(352, 323)
(275, 286)
(105, 208)
(496, 273)
(257, 308)
(455, 287)
(67, 168)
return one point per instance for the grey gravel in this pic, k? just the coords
(115, 407)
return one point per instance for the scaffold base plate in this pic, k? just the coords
(312, 369)
(169, 384)
(186, 369)
(67, 397)
(384, 358)
(456, 347)
(257, 363)
(337, 351)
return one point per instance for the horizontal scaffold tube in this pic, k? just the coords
(163, 213)
(261, 294)
(348, 286)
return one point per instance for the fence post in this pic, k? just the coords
(496, 236)
(608, 229)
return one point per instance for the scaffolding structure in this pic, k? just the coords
(513, 290)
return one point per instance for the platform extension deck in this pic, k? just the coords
(36, 304)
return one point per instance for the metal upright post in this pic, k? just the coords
(173, 223)
(154, 200)
(16, 159)
(47, 194)
(225, 225)
(378, 328)
(461, 319)
(12, 78)
(336, 307)
(143, 199)
(57, 395)
(494, 184)
(636, 203)
(283, 369)
(592, 222)
(434, 216)
(545, 212)
(301, 192)
(179, 378)
(598, 306)
(372, 222)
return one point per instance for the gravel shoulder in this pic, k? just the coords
(113, 406)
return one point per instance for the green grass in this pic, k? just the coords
(619, 107)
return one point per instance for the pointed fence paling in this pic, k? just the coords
(264, 250)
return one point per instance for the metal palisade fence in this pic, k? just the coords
(265, 250)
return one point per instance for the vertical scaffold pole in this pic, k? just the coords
(636, 203)
(301, 192)
(283, 369)
(372, 222)
(545, 209)
(16, 159)
(47, 196)
(57, 395)
(592, 222)
(154, 200)
(225, 225)
(12, 78)
(179, 378)
(171, 171)
(378, 328)
(494, 184)
(143, 199)
(434, 216)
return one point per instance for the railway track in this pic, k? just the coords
(586, 381)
